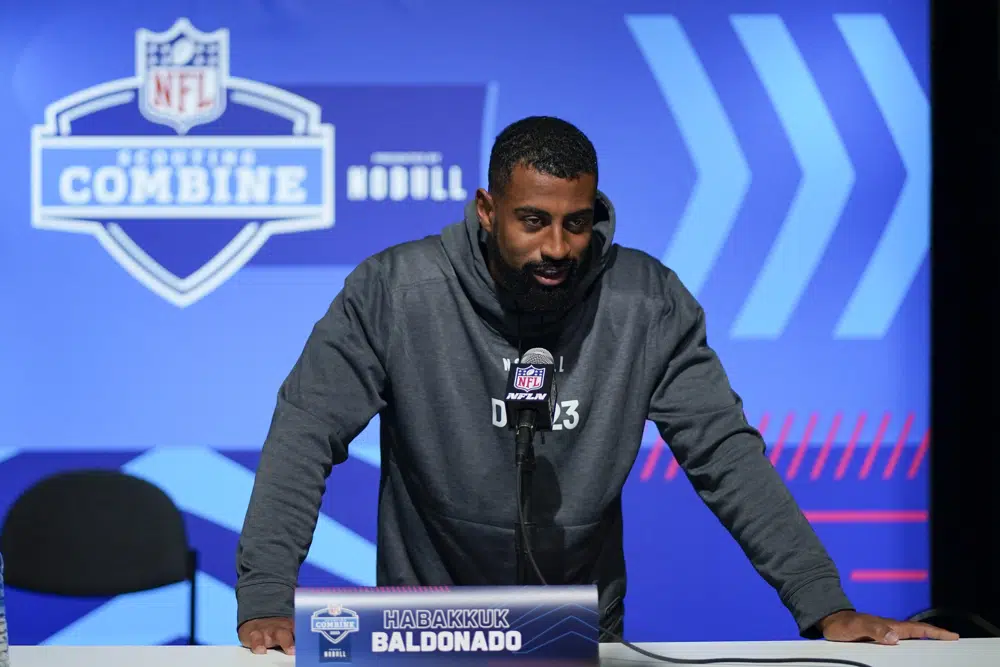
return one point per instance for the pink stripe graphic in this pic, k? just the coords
(897, 451)
(825, 451)
(845, 458)
(873, 450)
(889, 576)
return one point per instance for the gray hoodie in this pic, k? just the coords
(419, 336)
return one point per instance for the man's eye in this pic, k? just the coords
(532, 220)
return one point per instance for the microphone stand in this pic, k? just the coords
(524, 457)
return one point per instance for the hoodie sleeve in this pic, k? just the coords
(332, 392)
(701, 419)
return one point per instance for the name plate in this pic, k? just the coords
(462, 625)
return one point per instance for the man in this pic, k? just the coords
(419, 335)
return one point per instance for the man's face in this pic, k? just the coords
(539, 234)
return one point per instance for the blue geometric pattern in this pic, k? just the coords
(723, 174)
(906, 239)
(155, 617)
(827, 177)
(827, 172)
(184, 473)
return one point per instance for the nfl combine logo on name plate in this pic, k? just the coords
(184, 172)
(334, 624)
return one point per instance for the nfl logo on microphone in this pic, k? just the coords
(529, 378)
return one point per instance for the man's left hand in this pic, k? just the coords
(850, 626)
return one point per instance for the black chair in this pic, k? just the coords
(96, 533)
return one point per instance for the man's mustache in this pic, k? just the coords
(550, 266)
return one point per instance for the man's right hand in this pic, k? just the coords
(261, 634)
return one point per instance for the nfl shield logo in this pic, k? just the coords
(182, 212)
(183, 74)
(334, 623)
(528, 378)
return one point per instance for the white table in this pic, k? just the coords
(963, 653)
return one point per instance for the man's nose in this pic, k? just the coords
(556, 245)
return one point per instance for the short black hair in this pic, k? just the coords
(546, 144)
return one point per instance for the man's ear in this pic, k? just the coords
(485, 209)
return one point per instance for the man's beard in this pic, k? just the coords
(528, 294)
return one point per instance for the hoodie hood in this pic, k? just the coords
(464, 244)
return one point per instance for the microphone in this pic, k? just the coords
(530, 395)
(530, 401)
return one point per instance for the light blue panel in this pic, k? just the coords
(903, 245)
(157, 617)
(184, 473)
(827, 177)
(723, 174)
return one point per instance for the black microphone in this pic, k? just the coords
(530, 402)
(530, 395)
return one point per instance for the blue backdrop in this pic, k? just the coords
(182, 200)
